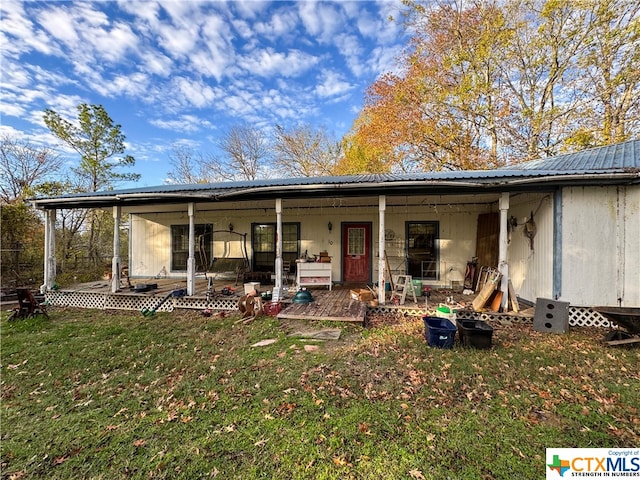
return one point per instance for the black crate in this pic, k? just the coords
(475, 333)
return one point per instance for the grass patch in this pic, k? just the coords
(95, 394)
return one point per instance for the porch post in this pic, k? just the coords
(49, 251)
(49, 232)
(278, 286)
(115, 261)
(191, 261)
(503, 266)
(382, 206)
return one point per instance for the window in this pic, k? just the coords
(422, 250)
(355, 241)
(263, 244)
(180, 246)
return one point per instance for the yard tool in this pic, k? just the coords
(150, 312)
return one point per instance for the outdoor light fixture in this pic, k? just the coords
(330, 226)
(231, 227)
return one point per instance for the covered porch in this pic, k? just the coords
(366, 239)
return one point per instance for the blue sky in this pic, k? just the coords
(183, 72)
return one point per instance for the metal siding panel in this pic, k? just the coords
(631, 262)
(589, 246)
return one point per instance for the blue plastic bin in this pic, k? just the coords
(439, 332)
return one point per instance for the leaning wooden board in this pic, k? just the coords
(483, 297)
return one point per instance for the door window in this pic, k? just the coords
(355, 242)
(263, 244)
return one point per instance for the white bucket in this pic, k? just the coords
(250, 287)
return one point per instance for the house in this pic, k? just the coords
(565, 227)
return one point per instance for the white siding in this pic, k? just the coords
(601, 246)
(531, 269)
(151, 242)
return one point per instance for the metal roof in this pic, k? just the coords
(620, 156)
(611, 164)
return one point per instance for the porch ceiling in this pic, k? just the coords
(320, 202)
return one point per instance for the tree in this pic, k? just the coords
(247, 149)
(23, 167)
(22, 240)
(611, 66)
(486, 82)
(190, 167)
(305, 152)
(24, 170)
(360, 156)
(440, 111)
(99, 142)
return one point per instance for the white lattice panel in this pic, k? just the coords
(200, 303)
(69, 298)
(578, 316)
(396, 310)
(585, 317)
(493, 316)
(139, 302)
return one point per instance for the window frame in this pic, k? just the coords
(264, 260)
(176, 255)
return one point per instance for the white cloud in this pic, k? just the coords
(283, 23)
(251, 8)
(269, 62)
(332, 85)
(114, 44)
(156, 63)
(321, 20)
(183, 123)
(179, 64)
(17, 26)
(177, 42)
(60, 25)
(192, 93)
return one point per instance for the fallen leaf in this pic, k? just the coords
(341, 462)
(60, 460)
(139, 443)
(416, 474)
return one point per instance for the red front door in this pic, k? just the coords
(356, 252)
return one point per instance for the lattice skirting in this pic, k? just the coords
(108, 301)
(578, 316)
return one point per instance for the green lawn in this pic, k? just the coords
(109, 395)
